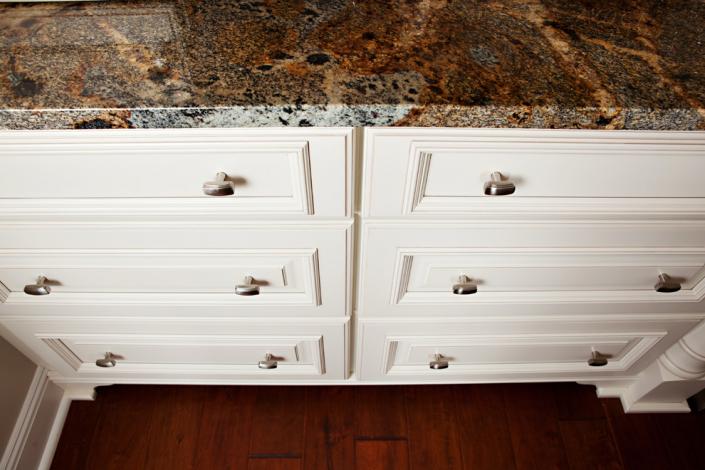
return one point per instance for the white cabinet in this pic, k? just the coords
(179, 256)
(514, 349)
(191, 350)
(138, 269)
(285, 172)
(427, 172)
(491, 255)
(481, 255)
(562, 268)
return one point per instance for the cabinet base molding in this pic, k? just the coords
(667, 383)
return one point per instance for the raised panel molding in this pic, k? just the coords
(387, 345)
(305, 349)
(417, 202)
(636, 346)
(402, 295)
(399, 162)
(44, 261)
(320, 163)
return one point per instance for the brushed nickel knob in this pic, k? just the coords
(40, 288)
(268, 362)
(667, 284)
(248, 287)
(107, 361)
(464, 286)
(498, 187)
(219, 187)
(438, 362)
(597, 360)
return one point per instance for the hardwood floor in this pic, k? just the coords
(523, 426)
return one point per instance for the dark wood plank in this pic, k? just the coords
(482, 426)
(329, 428)
(125, 424)
(575, 401)
(176, 420)
(278, 422)
(588, 445)
(433, 436)
(382, 455)
(79, 428)
(533, 422)
(274, 464)
(226, 418)
(637, 437)
(683, 437)
(380, 412)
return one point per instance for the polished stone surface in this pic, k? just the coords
(636, 64)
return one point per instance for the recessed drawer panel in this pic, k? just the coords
(412, 171)
(226, 350)
(434, 272)
(287, 172)
(280, 271)
(274, 272)
(446, 268)
(526, 348)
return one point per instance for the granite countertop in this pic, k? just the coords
(633, 64)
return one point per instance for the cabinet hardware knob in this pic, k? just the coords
(218, 187)
(498, 187)
(107, 361)
(40, 288)
(248, 287)
(667, 284)
(597, 360)
(268, 362)
(438, 362)
(464, 286)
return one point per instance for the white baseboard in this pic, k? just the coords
(38, 426)
(54, 433)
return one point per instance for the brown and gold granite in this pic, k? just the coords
(636, 64)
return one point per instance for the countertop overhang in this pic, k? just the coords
(504, 63)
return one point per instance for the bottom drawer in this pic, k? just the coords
(186, 350)
(511, 349)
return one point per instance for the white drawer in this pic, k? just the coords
(193, 350)
(530, 268)
(128, 270)
(444, 171)
(540, 348)
(270, 171)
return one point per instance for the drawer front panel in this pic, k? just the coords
(186, 348)
(425, 172)
(270, 172)
(530, 268)
(275, 271)
(522, 348)
(561, 271)
(137, 270)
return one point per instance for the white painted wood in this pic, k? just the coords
(37, 426)
(54, 433)
(138, 269)
(529, 268)
(273, 171)
(427, 172)
(20, 434)
(184, 348)
(513, 348)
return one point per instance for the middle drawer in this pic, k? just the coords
(446, 268)
(274, 272)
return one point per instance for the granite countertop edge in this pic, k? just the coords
(341, 115)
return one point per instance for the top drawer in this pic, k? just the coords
(447, 171)
(266, 171)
